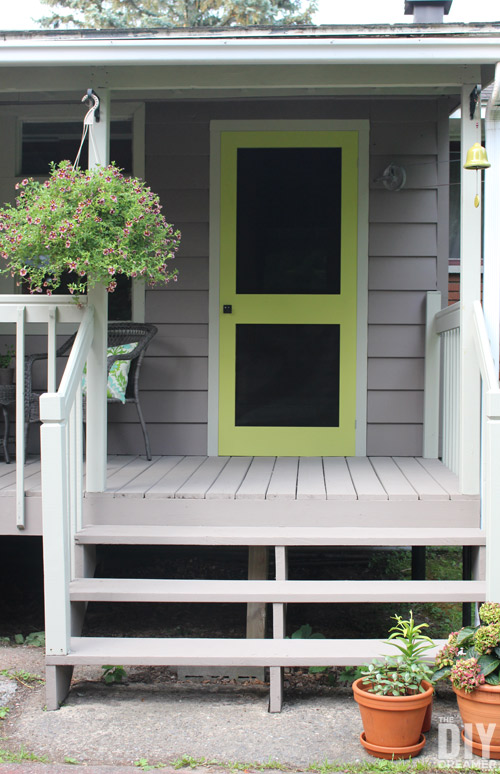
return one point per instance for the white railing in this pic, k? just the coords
(442, 380)
(62, 486)
(490, 453)
(19, 313)
(448, 328)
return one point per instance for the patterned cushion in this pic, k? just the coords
(118, 373)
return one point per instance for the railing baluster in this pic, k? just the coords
(20, 419)
(51, 349)
(447, 325)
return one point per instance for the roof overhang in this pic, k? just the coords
(379, 59)
(436, 44)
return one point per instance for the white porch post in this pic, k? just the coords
(491, 309)
(97, 409)
(470, 290)
(491, 276)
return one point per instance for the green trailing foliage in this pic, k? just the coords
(113, 14)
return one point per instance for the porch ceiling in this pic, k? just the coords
(198, 81)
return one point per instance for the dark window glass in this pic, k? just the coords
(60, 140)
(287, 375)
(288, 220)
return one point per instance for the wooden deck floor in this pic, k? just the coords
(265, 478)
(299, 491)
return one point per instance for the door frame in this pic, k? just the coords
(362, 128)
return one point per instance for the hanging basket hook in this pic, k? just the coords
(92, 101)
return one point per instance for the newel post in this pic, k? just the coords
(97, 409)
(432, 376)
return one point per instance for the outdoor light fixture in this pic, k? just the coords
(477, 159)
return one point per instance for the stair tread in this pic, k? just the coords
(166, 590)
(223, 652)
(141, 534)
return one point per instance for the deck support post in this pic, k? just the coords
(57, 683)
(97, 423)
(470, 291)
(258, 562)
(279, 632)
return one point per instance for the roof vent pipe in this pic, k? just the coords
(428, 11)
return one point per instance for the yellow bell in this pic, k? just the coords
(477, 158)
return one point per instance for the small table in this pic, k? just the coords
(7, 396)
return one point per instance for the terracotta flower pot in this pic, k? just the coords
(482, 706)
(392, 724)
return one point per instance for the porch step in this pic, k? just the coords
(217, 652)
(160, 590)
(144, 534)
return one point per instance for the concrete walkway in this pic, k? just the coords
(157, 719)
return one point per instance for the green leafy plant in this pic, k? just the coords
(401, 675)
(5, 360)
(25, 678)
(7, 756)
(35, 639)
(305, 632)
(113, 674)
(471, 656)
(4, 711)
(68, 759)
(95, 224)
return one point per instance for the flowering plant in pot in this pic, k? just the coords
(94, 224)
(394, 694)
(471, 660)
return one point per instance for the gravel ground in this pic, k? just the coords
(156, 718)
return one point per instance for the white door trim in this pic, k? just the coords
(216, 127)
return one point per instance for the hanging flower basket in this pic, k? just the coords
(95, 224)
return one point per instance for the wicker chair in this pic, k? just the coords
(118, 333)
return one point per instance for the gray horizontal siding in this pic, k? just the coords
(172, 406)
(395, 273)
(404, 240)
(395, 373)
(396, 341)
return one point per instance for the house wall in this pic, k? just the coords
(408, 254)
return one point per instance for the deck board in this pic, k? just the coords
(393, 480)
(172, 481)
(338, 479)
(427, 486)
(229, 481)
(365, 480)
(256, 481)
(283, 484)
(138, 487)
(311, 479)
(198, 484)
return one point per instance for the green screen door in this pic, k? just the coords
(288, 258)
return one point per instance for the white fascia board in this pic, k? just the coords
(231, 51)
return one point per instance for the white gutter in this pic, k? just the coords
(230, 51)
